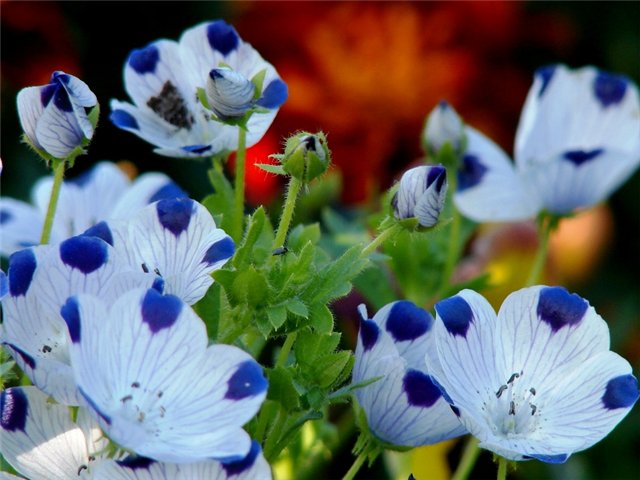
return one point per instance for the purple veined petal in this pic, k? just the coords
(579, 179)
(489, 188)
(58, 132)
(230, 94)
(253, 467)
(35, 432)
(30, 109)
(21, 225)
(80, 97)
(151, 410)
(574, 113)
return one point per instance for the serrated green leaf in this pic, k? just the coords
(311, 345)
(255, 225)
(300, 235)
(330, 367)
(282, 389)
(268, 167)
(297, 307)
(321, 318)
(277, 315)
(208, 309)
(250, 286)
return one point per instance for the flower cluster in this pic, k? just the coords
(138, 313)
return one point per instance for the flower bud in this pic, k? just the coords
(53, 116)
(229, 94)
(443, 126)
(306, 156)
(421, 194)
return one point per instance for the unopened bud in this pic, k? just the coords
(444, 125)
(229, 94)
(421, 194)
(306, 156)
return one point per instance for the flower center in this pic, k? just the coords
(512, 409)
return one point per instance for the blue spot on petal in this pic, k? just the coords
(222, 37)
(407, 321)
(26, 358)
(545, 74)
(22, 265)
(558, 308)
(14, 407)
(100, 230)
(196, 148)
(70, 311)
(160, 311)
(47, 92)
(560, 458)
(83, 179)
(133, 462)
(4, 285)
(471, 172)
(61, 100)
(175, 214)
(578, 157)
(621, 392)
(239, 466)
(609, 89)
(274, 95)
(437, 174)
(158, 284)
(84, 253)
(369, 333)
(420, 389)
(168, 192)
(144, 60)
(221, 250)
(456, 315)
(95, 407)
(123, 119)
(247, 381)
(5, 216)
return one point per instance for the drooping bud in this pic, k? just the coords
(444, 125)
(229, 93)
(53, 116)
(421, 194)
(306, 156)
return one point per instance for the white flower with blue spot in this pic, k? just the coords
(404, 407)
(102, 193)
(176, 239)
(577, 141)
(40, 279)
(163, 80)
(53, 116)
(252, 467)
(40, 441)
(536, 381)
(143, 367)
(421, 194)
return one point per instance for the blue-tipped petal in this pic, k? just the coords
(4, 285)
(222, 37)
(100, 230)
(247, 381)
(274, 95)
(22, 266)
(159, 311)
(14, 407)
(167, 192)
(420, 389)
(471, 172)
(84, 253)
(237, 467)
(407, 321)
(144, 60)
(545, 74)
(26, 358)
(560, 458)
(456, 315)
(558, 308)
(70, 312)
(123, 119)
(135, 462)
(369, 333)
(578, 157)
(621, 392)
(609, 89)
(221, 250)
(175, 214)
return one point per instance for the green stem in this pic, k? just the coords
(453, 251)
(380, 239)
(238, 200)
(270, 450)
(356, 465)
(286, 348)
(58, 174)
(469, 456)
(502, 468)
(287, 212)
(544, 233)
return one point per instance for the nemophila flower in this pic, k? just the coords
(536, 381)
(143, 366)
(252, 467)
(102, 193)
(40, 441)
(404, 407)
(577, 141)
(443, 126)
(421, 194)
(40, 281)
(178, 240)
(53, 116)
(163, 80)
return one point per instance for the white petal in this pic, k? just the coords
(21, 225)
(30, 109)
(38, 437)
(489, 189)
(147, 188)
(58, 131)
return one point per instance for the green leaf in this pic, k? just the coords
(301, 234)
(297, 307)
(220, 203)
(202, 96)
(375, 285)
(321, 318)
(330, 367)
(208, 309)
(277, 315)
(282, 389)
(94, 115)
(242, 256)
(310, 345)
(275, 169)
(258, 81)
(250, 286)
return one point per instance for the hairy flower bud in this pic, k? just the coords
(306, 156)
(421, 194)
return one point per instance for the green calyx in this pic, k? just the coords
(306, 156)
